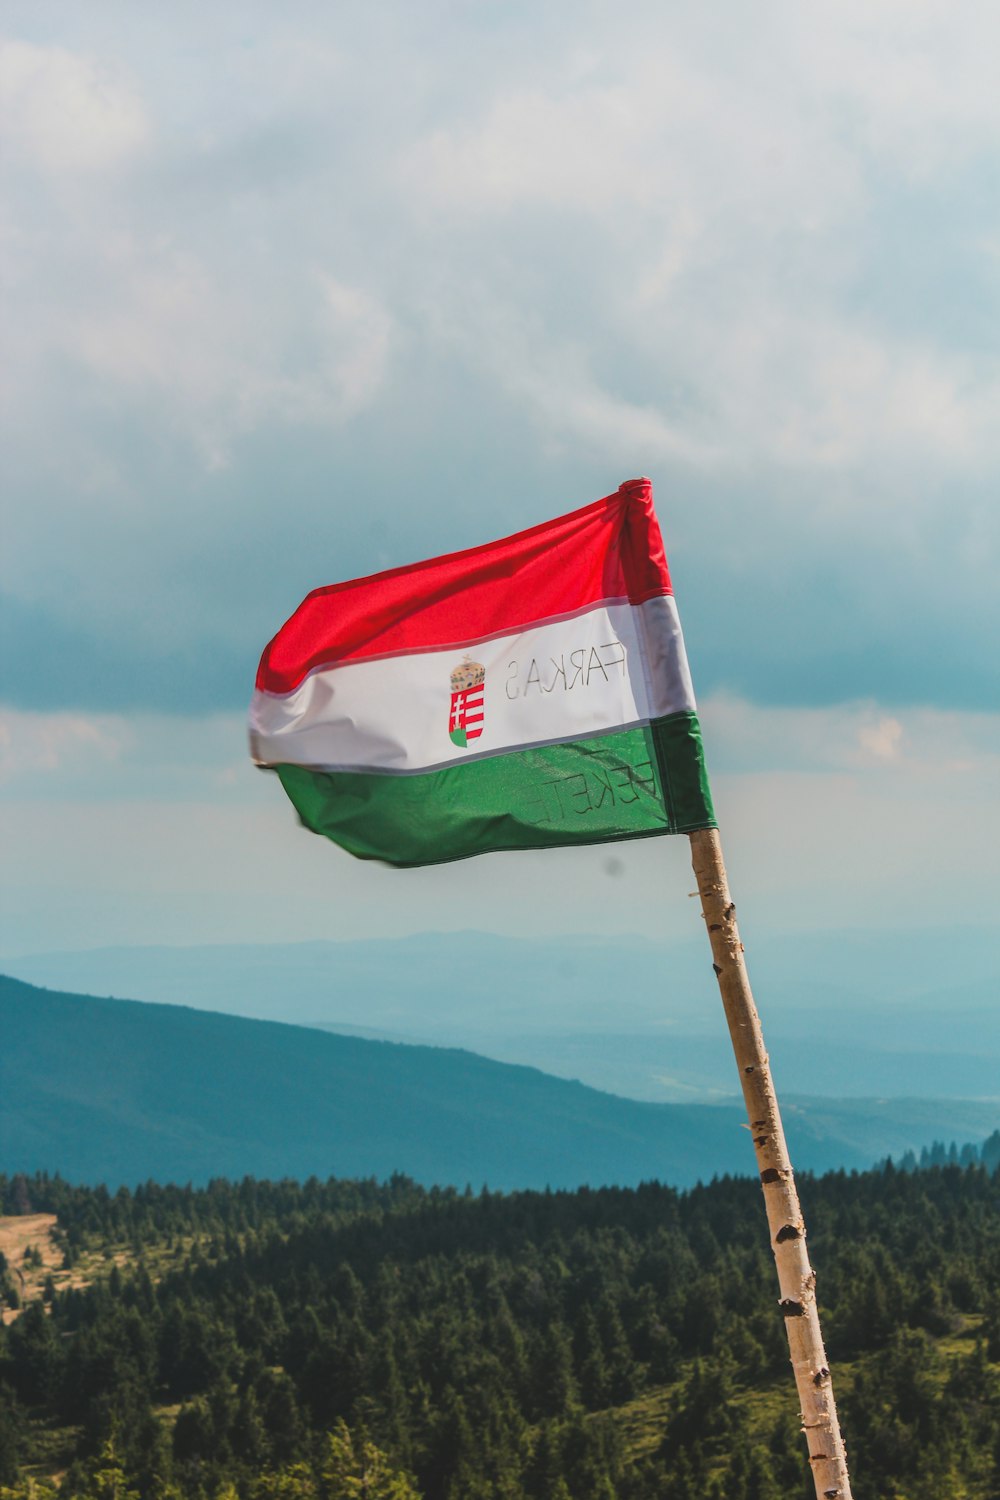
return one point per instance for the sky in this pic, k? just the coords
(292, 294)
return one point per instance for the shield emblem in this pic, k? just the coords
(468, 692)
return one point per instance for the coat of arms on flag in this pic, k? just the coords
(468, 688)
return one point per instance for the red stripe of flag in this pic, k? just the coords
(611, 549)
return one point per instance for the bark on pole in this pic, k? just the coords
(796, 1279)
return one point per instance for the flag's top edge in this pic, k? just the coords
(609, 549)
(633, 490)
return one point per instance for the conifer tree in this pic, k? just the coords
(353, 1468)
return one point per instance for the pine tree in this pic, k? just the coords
(353, 1468)
(106, 1480)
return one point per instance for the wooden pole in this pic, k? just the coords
(796, 1279)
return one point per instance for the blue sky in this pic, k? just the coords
(295, 295)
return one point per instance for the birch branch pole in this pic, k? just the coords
(796, 1279)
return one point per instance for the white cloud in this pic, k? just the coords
(657, 127)
(359, 333)
(883, 740)
(724, 213)
(50, 745)
(160, 758)
(64, 112)
(859, 739)
(531, 147)
(828, 391)
(587, 248)
(918, 79)
(217, 357)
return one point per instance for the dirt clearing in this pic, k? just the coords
(22, 1234)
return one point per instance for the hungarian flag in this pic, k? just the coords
(528, 693)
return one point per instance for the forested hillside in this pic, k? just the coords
(259, 1339)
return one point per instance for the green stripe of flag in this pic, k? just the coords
(631, 783)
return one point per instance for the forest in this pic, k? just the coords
(353, 1338)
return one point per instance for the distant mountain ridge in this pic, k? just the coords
(623, 1014)
(119, 1091)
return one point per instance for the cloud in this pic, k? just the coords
(160, 329)
(60, 757)
(122, 308)
(531, 148)
(829, 393)
(67, 113)
(482, 279)
(858, 738)
(883, 740)
(729, 251)
(34, 745)
(359, 333)
(920, 89)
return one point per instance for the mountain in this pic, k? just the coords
(623, 1014)
(118, 1091)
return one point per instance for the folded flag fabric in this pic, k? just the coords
(528, 693)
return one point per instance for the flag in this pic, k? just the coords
(524, 694)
